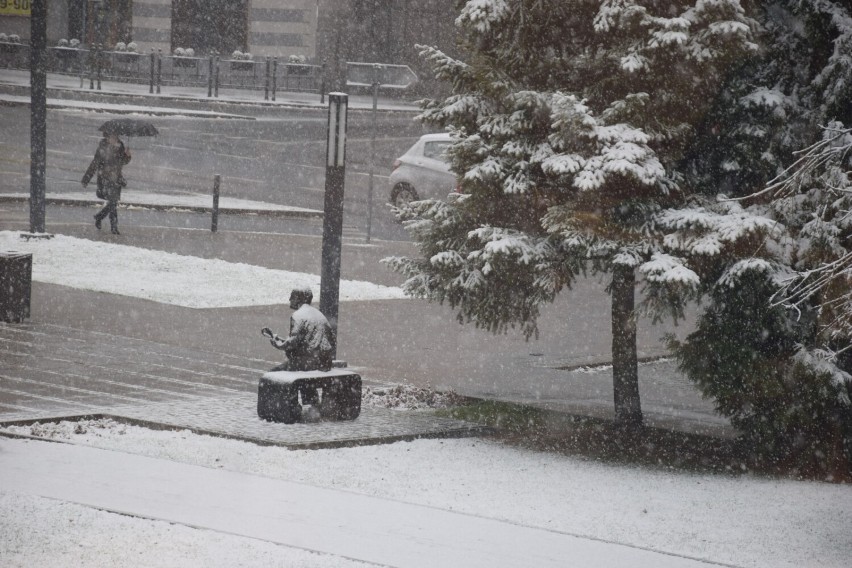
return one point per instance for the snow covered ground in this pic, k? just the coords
(171, 278)
(733, 520)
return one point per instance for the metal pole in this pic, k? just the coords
(266, 84)
(322, 84)
(332, 227)
(372, 151)
(217, 179)
(92, 54)
(99, 63)
(38, 113)
(153, 65)
(216, 82)
(274, 76)
(210, 77)
(81, 62)
(159, 69)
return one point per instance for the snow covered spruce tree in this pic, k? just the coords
(772, 347)
(570, 119)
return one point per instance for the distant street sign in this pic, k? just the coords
(381, 74)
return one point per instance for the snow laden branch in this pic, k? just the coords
(482, 15)
(480, 272)
(814, 198)
(718, 245)
(593, 152)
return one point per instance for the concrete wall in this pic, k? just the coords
(280, 29)
(276, 28)
(152, 25)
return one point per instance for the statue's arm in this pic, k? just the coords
(295, 343)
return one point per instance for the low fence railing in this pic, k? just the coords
(158, 70)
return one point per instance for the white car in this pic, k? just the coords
(423, 171)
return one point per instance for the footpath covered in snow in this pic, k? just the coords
(425, 503)
(171, 278)
(372, 529)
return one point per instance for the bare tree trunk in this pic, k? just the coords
(625, 372)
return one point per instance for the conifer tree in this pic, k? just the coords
(571, 120)
(777, 323)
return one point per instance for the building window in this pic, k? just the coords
(101, 21)
(210, 26)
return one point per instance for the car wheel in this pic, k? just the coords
(402, 194)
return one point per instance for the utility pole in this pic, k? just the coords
(332, 226)
(38, 114)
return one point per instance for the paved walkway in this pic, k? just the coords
(52, 373)
(351, 525)
(169, 202)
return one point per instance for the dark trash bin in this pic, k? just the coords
(16, 276)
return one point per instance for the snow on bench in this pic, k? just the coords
(278, 394)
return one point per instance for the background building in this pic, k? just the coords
(327, 32)
(278, 28)
(263, 27)
(383, 31)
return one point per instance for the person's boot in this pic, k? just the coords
(114, 231)
(97, 223)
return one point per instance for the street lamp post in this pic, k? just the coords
(38, 114)
(332, 228)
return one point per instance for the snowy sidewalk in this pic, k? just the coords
(121, 108)
(331, 521)
(62, 85)
(162, 201)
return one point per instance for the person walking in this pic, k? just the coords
(109, 158)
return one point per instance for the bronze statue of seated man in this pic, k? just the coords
(310, 345)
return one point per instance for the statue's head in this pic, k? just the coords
(300, 297)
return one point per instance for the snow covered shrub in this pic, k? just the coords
(569, 130)
(189, 52)
(237, 55)
(776, 137)
(132, 47)
(180, 52)
(63, 43)
(297, 59)
(121, 46)
(791, 405)
(4, 37)
(14, 38)
(75, 43)
(247, 56)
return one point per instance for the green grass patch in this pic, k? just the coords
(603, 440)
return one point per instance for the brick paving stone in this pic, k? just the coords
(235, 416)
(52, 372)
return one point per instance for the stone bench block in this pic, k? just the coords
(278, 394)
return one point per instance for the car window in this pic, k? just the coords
(435, 150)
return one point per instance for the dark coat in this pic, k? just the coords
(107, 163)
(311, 341)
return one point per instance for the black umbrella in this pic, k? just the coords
(128, 127)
